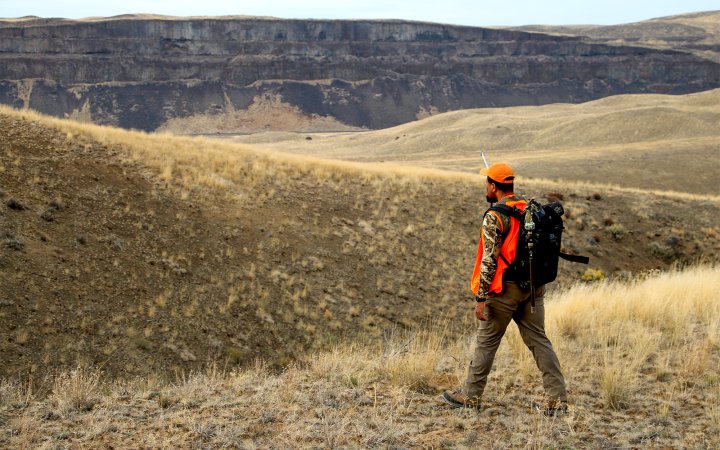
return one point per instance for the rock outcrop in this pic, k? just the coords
(145, 73)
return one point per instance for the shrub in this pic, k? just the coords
(142, 343)
(617, 231)
(15, 204)
(234, 355)
(591, 275)
(661, 250)
(166, 402)
(12, 242)
(47, 215)
(673, 241)
(57, 205)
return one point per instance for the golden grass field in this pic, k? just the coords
(641, 359)
(346, 282)
(634, 141)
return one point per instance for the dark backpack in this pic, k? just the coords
(539, 242)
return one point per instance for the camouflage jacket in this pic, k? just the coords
(492, 230)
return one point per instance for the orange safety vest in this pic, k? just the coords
(507, 250)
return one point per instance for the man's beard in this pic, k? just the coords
(489, 200)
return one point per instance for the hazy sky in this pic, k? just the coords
(464, 12)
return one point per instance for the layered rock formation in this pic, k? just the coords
(147, 73)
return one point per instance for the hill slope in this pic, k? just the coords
(637, 141)
(641, 367)
(153, 254)
(698, 33)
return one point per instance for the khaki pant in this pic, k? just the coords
(514, 303)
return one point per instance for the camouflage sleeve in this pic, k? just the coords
(492, 238)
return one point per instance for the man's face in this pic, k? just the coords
(490, 192)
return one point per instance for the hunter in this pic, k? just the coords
(499, 299)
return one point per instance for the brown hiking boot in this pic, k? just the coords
(457, 399)
(556, 408)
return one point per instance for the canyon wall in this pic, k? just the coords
(142, 73)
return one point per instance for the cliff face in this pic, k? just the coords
(142, 73)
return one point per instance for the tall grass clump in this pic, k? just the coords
(713, 410)
(663, 322)
(76, 391)
(14, 393)
(411, 359)
(673, 302)
(408, 359)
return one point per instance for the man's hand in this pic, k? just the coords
(480, 311)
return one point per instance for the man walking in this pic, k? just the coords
(499, 299)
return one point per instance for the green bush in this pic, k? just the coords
(616, 230)
(661, 250)
(591, 275)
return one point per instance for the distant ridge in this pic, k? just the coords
(654, 136)
(697, 33)
(147, 72)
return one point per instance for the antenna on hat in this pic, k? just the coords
(487, 166)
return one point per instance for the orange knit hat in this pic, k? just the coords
(499, 172)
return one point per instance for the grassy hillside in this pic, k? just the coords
(641, 360)
(154, 254)
(697, 33)
(636, 141)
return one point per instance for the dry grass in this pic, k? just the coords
(696, 33)
(634, 141)
(640, 357)
(192, 165)
(641, 360)
(77, 390)
(361, 244)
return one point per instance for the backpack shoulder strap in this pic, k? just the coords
(505, 213)
(509, 211)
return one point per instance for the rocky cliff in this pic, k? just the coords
(149, 73)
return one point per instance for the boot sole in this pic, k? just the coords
(456, 404)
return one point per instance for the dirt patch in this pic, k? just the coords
(266, 113)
